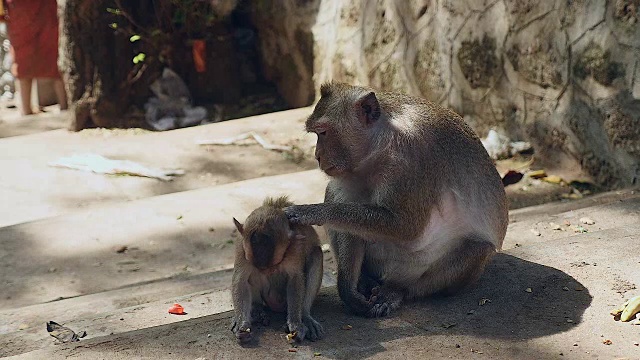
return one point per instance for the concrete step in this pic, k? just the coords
(542, 304)
(538, 224)
(12, 123)
(76, 254)
(31, 190)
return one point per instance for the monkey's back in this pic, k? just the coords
(460, 174)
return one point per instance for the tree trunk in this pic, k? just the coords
(95, 64)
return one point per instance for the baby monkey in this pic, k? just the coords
(278, 266)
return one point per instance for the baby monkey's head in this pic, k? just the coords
(267, 234)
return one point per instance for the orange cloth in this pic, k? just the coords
(33, 32)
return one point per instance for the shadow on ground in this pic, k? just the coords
(433, 327)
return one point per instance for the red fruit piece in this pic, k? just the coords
(176, 309)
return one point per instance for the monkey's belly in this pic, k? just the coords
(393, 264)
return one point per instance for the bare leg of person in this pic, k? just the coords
(25, 95)
(61, 94)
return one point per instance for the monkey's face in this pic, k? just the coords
(344, 120)
(266, 238)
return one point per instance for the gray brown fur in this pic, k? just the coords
(289, 281)
(403, 172)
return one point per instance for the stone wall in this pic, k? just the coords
(7, 86)
(561, 74)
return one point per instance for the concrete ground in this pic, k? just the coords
(110, 254)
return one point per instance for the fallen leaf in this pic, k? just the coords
(607, 342)
(179, 217)
(511, 177)
(580, 229)
(62, 333)
(177, 309)
(484, 301)
(316, 354)
(553, 179)
(537, 174)
(555, 226)
(587, 221)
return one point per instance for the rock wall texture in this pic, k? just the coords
(562, 74)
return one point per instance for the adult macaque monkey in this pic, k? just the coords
(279, 266)
(414, 206)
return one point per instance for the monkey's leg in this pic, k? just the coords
(459, 268)
(314, 280)
(350, 254)
(242, 303)
(296, 293)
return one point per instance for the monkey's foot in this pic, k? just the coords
(384, 301)
(316, 331)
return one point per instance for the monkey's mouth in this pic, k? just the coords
(332, 171)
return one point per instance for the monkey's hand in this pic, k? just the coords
(385, 301)
(297, 331)
(305, 214)
(242, 330)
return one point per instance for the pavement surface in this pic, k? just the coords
(110, 254)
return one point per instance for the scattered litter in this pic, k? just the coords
(553, 179)
(529, 290)
(511, 177)
(326, 248)
(587, 221)
(448, 325)
(122, 249)
(62, 333)
(211, 229)
(580, 229)
(458, 346)
(317, 354)
(537, 174)
(179, 217)
(607, 342)
(499, 146)
(555, 226)
(569, 321)
(628, 310)
(575, 344)
(484, 301)
(236, 140)
(579, 289)
(536, 232)
(172, 106)
(347, 327)
(565, 288)
(293, 350)
(636, 343)
(471, 312)
(177, 309)
(102, 165)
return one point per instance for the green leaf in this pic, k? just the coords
(114, 11)
(139, 58)
(113, 25)
(134, 38)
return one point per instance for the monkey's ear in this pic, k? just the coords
(238, 226)
(368, 109)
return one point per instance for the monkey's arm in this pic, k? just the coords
(242, 303)
(365, 220)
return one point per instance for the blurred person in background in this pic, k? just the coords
(33, 33)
